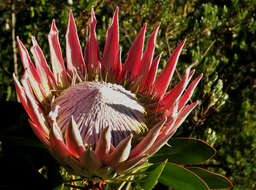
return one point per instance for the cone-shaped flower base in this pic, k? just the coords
(96, 116)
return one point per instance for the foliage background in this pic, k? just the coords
(221, 35)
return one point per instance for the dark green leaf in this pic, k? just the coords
(181, 178)
(212, 179)
(185, 151)
(60, 187)
(152, 178)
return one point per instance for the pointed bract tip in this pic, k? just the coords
(70, 13)
(19, 41)
(53, 27)
(191, 73)
(116, 12)
(73, 122)
(93, 18)
(71, 18)
(34, 41)
(183, 43)
(154, 34)
(107, 133)
(157, 27)
(15, 78)
(55, 131)
(21, 45)
(145, 26)
(115, 17)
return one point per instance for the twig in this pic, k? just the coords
(14, 42)
(209, 47)
(13, 39)
(129, 185)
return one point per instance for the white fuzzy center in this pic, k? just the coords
(96, 105)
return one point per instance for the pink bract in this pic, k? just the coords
(97, 116)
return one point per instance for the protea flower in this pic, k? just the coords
(97, 116)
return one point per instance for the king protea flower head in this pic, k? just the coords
(97, 116)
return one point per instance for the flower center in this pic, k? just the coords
(96, 105)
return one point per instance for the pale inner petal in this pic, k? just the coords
(96, 105)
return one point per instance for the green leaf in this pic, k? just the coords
(152, 178)
(60, 187)
(185, 151)
(180, 178)
(212, 179)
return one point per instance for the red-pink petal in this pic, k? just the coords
(73, 139)
(148, 83)
(58, 67)
(91, 53)
(184, 113)
(27, 86)
(130, 163)
(35, 80)
(27, 63)
(111, 46)
(170, 97)
(59, 149)
(118, 71)
(148, 140)
(42, 68)
(121, 152)
(160, 142)
(164, 137)
(74, 54)
(103, 145)
(37, 112)
(148, 55)
(40, 133)
(165, 77)
(187, 95)
(23, 98)
(133, 61)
